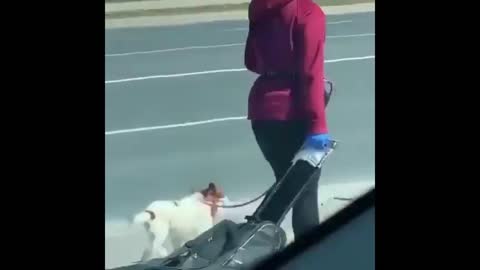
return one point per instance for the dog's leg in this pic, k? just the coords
(201, 227)
(205, 226)
(147, 253)
(160, 251)
(160, 231)
(177, 243)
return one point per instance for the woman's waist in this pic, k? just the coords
(281, 95)
(278, 75)
(274, 82)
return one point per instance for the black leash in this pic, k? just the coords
(332, 147)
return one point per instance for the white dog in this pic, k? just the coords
(179, 221)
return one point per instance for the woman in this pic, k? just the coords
(285, 46)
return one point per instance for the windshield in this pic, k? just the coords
(177, 94)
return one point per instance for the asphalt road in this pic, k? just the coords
(147, 164)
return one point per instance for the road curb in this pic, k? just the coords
(165, 20)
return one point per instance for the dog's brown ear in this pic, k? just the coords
(212, 186)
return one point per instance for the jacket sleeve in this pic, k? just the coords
(310, 39)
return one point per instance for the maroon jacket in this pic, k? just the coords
(287, 37)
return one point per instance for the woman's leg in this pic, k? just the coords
(279, 141)
(305, 214)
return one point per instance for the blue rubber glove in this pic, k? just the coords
(317, 141)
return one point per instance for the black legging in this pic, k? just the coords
(279, 141)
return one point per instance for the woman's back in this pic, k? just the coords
(270, 37)
(285, 46)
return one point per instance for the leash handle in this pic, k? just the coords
(315, 157)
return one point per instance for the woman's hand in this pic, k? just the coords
(318, 141)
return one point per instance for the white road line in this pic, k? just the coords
(246, 28)
(353, 35)
(176, 75)
(235, 29)
(340, 22)
(186, 124)
(213, 46)
(175, 49)
(220, 71)
(350, 59)
(214, 120)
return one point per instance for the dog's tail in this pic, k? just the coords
(144, 217)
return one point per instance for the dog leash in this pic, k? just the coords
(327, 153)
(242, 204)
